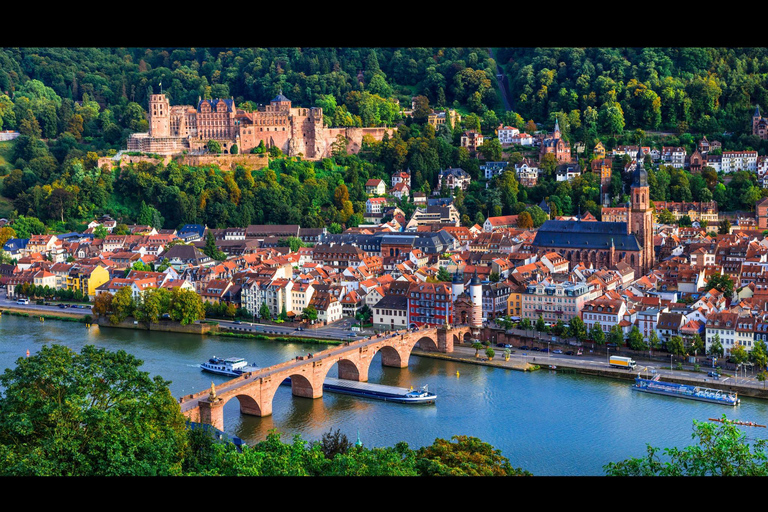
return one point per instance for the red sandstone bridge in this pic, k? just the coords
(255, 390)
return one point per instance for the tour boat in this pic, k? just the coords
(231, 366)
(700, 393)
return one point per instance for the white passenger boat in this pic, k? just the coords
(231, 366)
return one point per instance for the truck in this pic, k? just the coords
(622, 362)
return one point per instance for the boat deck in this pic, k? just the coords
(366, 386)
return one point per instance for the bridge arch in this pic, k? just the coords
(426, 343)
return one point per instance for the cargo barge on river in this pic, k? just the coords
(377, 391)
(715, 396)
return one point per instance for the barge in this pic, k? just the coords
(377, 391)
(715, 396)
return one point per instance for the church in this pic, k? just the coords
(604, 244)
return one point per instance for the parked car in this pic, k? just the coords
(504, 345)
(569, 353)
(557, 351)
(524, 347)
(535, 349)
(714, 374)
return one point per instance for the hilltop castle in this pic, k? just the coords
(296, 131)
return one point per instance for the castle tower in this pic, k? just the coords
(159, 116)
(641, 216)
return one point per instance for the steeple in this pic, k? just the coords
(640, 176)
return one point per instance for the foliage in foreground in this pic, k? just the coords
(93, 413)
(334, 455)
(722, 450)
(96, 414)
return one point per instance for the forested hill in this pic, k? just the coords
(705, 90)
(74, 105)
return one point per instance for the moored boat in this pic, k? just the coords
(230, 366)
(700, 393)
(377, 391)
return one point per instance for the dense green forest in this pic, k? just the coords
(73, 105)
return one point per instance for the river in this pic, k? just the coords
(548, 423)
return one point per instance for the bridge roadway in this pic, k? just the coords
(255, 390)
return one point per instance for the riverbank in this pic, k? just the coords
(466, 354)
(64, 316)
(266, 337)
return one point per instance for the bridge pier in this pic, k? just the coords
(350, 371)
(212, 413)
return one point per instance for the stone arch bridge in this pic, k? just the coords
(256, 390)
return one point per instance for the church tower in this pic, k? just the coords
(641, 216)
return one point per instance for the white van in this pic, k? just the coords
(22, 301)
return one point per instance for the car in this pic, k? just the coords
(713, 374)
(524, 347)
(62, 306)
(557, 351)
(545, 349)
(612, 345)
(238, 322)
(504, 345)
(535, 349)
(569, 353)
(352, 335)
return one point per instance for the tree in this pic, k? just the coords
(213, 146)
(123, 305)
(759, 354)
(154, 303)
(665, 217)
(716, 347)
(185, 306)
(739, 354)
(310, 312)
(616, 335)
(102, 304)
(596, 334)
(720, 282)
(6, 233)
(697, 344)
(724, 227)
(675, 346)
(722, 450)
(100, 232)
(577, 329)
(464, 456)
(211, 250)
(541, 325)
(524, 220)
(478, 347)
(88, 414)
(635, 339)
(264, 311)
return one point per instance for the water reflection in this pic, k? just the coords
(546, 422)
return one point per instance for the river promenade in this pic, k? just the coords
(589, 364)
(597, 366)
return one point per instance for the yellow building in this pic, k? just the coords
(87, 278)
(515, 301)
